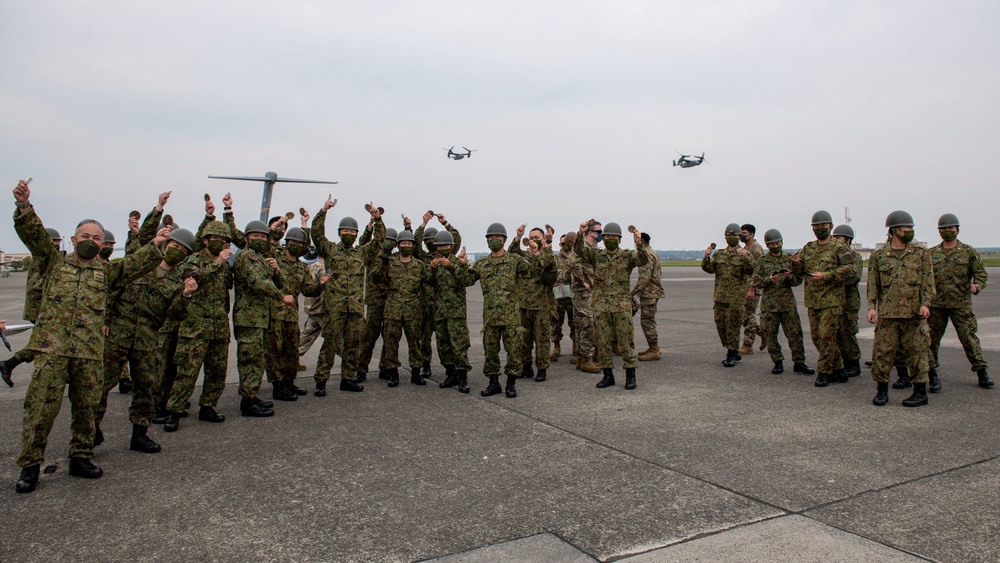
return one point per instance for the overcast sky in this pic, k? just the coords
(575, 109)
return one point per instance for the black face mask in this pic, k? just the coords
(743, 238)
(106, 253)
(86, 249)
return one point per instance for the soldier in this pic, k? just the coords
(499, 277)
(536, 308)
(342, 295)
(203, 337)
(68, 338)
(847, 338)
(450, 325)
(403, 311)
(612, 304)
(582, 274)
(958, 274)
(648, 290)
(825, 264)
(900, 292)
(429, 235)
(732, 267)
(108, 247)
(376, 291)
(563, 294)
(751, 328)
(773, 281)
(276, 227)
(313, 306)
(34, 286)
(282, 339)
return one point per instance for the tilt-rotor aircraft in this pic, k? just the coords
(269, 179)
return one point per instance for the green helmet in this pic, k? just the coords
(406, 235)
(443, 238)
(899, 218)
(430, 233)
(821, 217)
(348, 223)
(216, 229)
(772, 235)
(296, 234)
(184, 237)
(496, 229)
(256, 227)
(843, 231)
(391, 234)
(109, 237)
(612, 229)
(53, 234)
(946, 220)
(733, 229)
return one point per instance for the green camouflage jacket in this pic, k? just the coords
(899, 286)
(208, 312)
(256, 286)
(296, 280)
(731, 274)
(406, 286)
(835, 261)
(777, 296)
(420, 251)
(138, 312)
(852, 295)
(376, 273)
(536, 296)
(650, 284)
(499, 279)
(955, 270)
(448, 285)
(147, 232)
(346, 267)
(611, 274)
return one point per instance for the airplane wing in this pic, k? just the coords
(300, 181)
(255, 178)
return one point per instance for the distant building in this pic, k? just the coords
(7, 258)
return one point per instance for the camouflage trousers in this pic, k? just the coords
(751, 328)
(824, 325)
(510, 335)
(427, 335)
(250, 361)
(190, 355)
(310, 332)
(44, 397)
(144, 369)
(281, 344)
(394, 329)
(563, 310)
(453, 343)
(168, 370)
(374, 324)
(912, 337)
(611, 328)
(966, 326)
(728, 318)
(791, 325)
(583, 317)
(341, 335)
(537, 325)
(847, 337)
(24, 355)
(647, 320)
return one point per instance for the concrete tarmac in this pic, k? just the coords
(700, 463)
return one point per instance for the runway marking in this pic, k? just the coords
(989, 334)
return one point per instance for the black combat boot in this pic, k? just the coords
(83, 467)
(935, 381)
(28, 479)
(393, 377)
(730, 360)
(511, 391)
(351, 385)
(779, 367)
(801, 367)
(159, 415)
(320, 389)
(293, 388)
(527, 372)
(425, 370)
(383, 374)
(208, 414)
(142, 443)
(263, 404)
(98, 435)
(881, 394)
(629, 379)
(919, 396)
(541, 375)
(736, 355)
(984, 379)
(415, 377)
(6, 368)
(608, 380)
(250, 408)
(281, 393)
(904, 378)
(360, 376)
(852, 368)
(450, 380)
(463, 381)
(172, 422)
(493, 388)
(449, 371)
(125, 386)
(839, 376)
(822, 379)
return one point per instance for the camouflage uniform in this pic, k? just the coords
(649, 290)
(403, 311)
(536, 308)
(428, 299)
(778, 307)
(147, 231)
(256, 286)
(751, 328)
(612, 301)
(898, 285)
(376, 292)
(314, 310)
(953, 270)
(732, 273)
(282, 340)
(847, 338)
(33, 290)
(825, 298)
(564, 305)
(343, 297)
(582, 276)
(67, 339)
(451, 326)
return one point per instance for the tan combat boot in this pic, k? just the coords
(587, 365)
(651, 355)
(763, 341)
(746, 350)
(556, 352)
(575, 360)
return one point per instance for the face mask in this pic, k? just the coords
(732, 241)
(296, 249)
(611, 243)
(743, 238)
(821, 233)
(775, 250)
(86, 249)
(174, 256)
(906, 236)
(276, 235)
(388, 245)
(215, 247)
(566, 246)
(406, 251)
(430, 245)
(495, 244)
(348, 239)
(443, 251)
(260, 246)
(106, 253)
(949, 236)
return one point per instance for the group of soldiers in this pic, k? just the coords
(161, 315)
(912, 293)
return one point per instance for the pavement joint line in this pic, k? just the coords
(698, 536)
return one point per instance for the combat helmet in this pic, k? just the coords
(109, 237)
(946, 220)
(732, 229)
(613, 229)
(496, 229)
(406, 236)
(772, 235)
(53, 234)
(216, 229)
(184, 237)
(899, 218)
(391, 234)
(256, 226)
(843, 231)
(820, 217)
(444, 238)
(296, 234)
(430, 233)
(348, 223)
